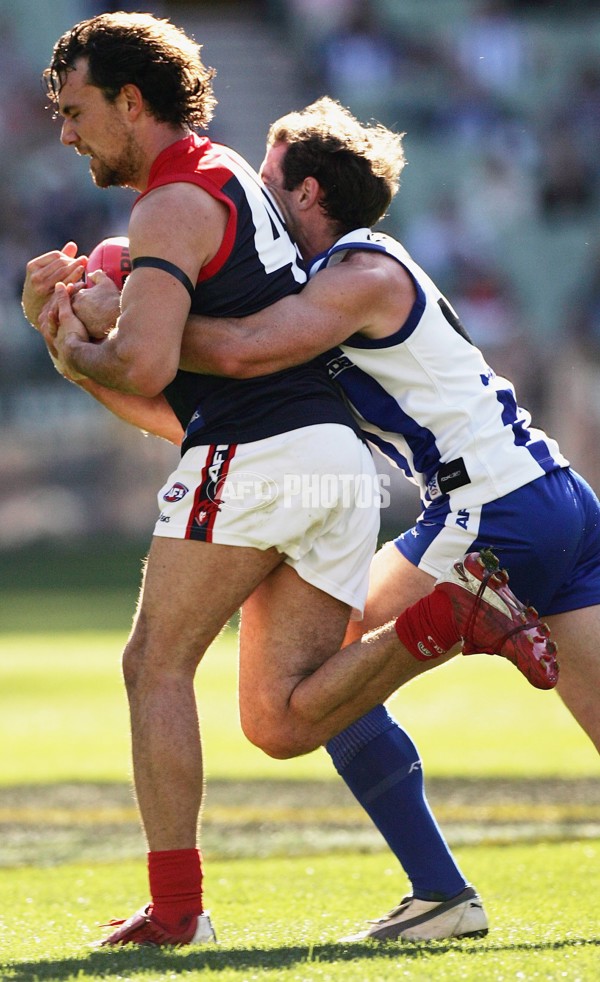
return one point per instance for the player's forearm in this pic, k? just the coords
(260, 344)
(113, 366)
(150, 415)
(98, 363)
(224, 346)
(290, 332)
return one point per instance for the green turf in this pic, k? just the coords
(280, 920)
(48, 611)
(63, 716)
(74, 564)
(82, 586)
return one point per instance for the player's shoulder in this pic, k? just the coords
(179, 222)
(374, 287)
(378, 267)
(177, 205)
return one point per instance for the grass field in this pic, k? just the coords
(279, 920)
(292, 863)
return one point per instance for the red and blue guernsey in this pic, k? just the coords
(256, 265)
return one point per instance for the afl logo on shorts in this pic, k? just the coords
(176, 493)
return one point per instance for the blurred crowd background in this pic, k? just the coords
(500, 103)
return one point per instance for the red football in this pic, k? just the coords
(112, 256)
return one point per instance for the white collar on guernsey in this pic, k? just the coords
(360, 238)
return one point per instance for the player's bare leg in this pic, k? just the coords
(296, 689)
(288, 630)
(190, 591)
(576, 634)
(294, 699)
(394, 584)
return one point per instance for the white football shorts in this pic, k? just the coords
(311, 493)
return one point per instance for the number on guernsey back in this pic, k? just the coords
(273, 245)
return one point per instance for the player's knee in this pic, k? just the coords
(281, 740)
(131, 664)
(280, 745)
(258, 733)
(135, 661)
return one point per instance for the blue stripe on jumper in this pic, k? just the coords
(378, 407)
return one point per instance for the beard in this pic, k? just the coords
(122, 171)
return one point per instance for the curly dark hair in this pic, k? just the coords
(357, 165)
(139, 49)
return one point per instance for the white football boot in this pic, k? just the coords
(425, 920)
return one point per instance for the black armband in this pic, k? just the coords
(168, 267)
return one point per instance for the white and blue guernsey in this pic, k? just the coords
(426, 398)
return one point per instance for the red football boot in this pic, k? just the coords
(142, 928)
(492, 621)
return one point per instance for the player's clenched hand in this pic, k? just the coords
(44, 272)
(98, 305)
(63, 326)
(48, 327)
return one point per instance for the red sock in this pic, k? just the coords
(428, 628)
(175, 884)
